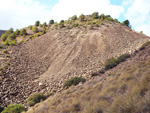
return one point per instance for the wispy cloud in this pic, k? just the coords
(21, 13)
(139, 15)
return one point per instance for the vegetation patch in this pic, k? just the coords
(14, 108)
(112, 62)
(35, 98)
(143, 46)
(74, 81)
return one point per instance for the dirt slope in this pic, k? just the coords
(124, 89)
(59, 54)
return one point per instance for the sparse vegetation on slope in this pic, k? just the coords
(16, 108)
(125, 91)
(74, 81)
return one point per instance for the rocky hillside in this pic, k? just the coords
(41, 59)
(123, 89)
(43, 64)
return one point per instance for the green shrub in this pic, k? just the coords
(6, 43)
(122, 58)
(73, 81)
(44, 31)
(67, 27)
(112, 62)
(91, 26)
(96, 25)
(23, 32)
(144, 45)
(61, 25)
(17, 32)
(16, 108)
(30, 27)
(126, 22)
(5, 51)
(38, 34)
(74, 17)
(34, 29)
(35, 98)
(37, 23)
(81, 17)
(13, 43)
(95, 15)
(12, 36)
(45, 24)
(21, 41)
(4, 37)
(51, 22)
(31, 36)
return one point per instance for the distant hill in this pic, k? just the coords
(2, 32)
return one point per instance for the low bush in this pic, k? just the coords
(91, 26)
(30, 27)
(12, 36)
(112, 62)
(35, 98)
(13, 43)
(6, 43)
(74, 81)
(23, 32)
(144, 45)
(34, 29)
(21, 41)
(61, 25)
(17, 32)
(37, 23)
(3, 37)
(14, 108)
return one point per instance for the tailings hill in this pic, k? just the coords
(60, 54)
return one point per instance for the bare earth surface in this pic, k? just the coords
(60, 54)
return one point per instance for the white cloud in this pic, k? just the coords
(67, 8)
(139, 15)
(21, 13)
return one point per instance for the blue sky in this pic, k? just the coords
(22, 13)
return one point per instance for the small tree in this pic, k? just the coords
(37, 23)
(34, 29)
(17, 32)
(3, 37)
(51, 22)
(81, 17)
(62, 21)
(95, 15)
(126, 22)
(30, 27)
(102, 16)
(74, 17)
(23, 32)
(11, 30)
(12, 36)
(45, 24)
